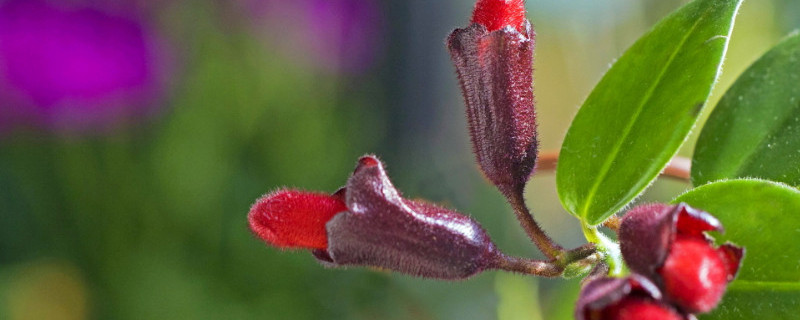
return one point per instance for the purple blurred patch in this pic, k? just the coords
(76, 69)
(340, 36)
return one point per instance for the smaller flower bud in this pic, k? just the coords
(382, 229)
(668, 245)
(631, 298)
(494, 62)
(294, 219)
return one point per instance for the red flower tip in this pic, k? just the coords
(498, 14)
(369, 161)
(294, 219)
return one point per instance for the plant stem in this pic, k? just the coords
(558, 256)
(550, 249)
(609, 248)
(527, 266)
(542, 268)
(678, 168)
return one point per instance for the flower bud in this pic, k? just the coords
(631, 298)
(666, 244)
(494, 62)
(382, 229)
(368, 223)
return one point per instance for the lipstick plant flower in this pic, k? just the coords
(664, 261)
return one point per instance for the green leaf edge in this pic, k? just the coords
(693, 174)
(607, 164)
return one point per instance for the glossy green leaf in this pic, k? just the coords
(642, 110)
(763, 217)
(755, 129)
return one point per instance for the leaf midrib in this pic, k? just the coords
(629, 126)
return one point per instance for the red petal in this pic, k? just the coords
(294, 219)
(498, 14)
(694, 275)
(694, 222)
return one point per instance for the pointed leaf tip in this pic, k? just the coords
(294, 219)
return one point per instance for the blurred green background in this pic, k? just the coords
(148, 221)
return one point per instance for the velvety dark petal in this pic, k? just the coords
(495, 71)
(732, 255)
(382, 229)
(600, 293)
(645, 235)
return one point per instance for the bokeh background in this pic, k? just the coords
(134, 135)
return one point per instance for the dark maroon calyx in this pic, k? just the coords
(382, 229)
(495, 71)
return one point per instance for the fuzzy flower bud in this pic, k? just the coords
(369, 223)
(494, 62)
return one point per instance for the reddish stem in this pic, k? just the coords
(679, 168)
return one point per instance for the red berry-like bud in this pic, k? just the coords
(668, 245)
(498, 14)
(694, 274)
(631, 298)
(294, 219)
(382, 229)
(495, 71)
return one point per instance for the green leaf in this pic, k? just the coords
(755, 129)
(642, 110)
(764, 217)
